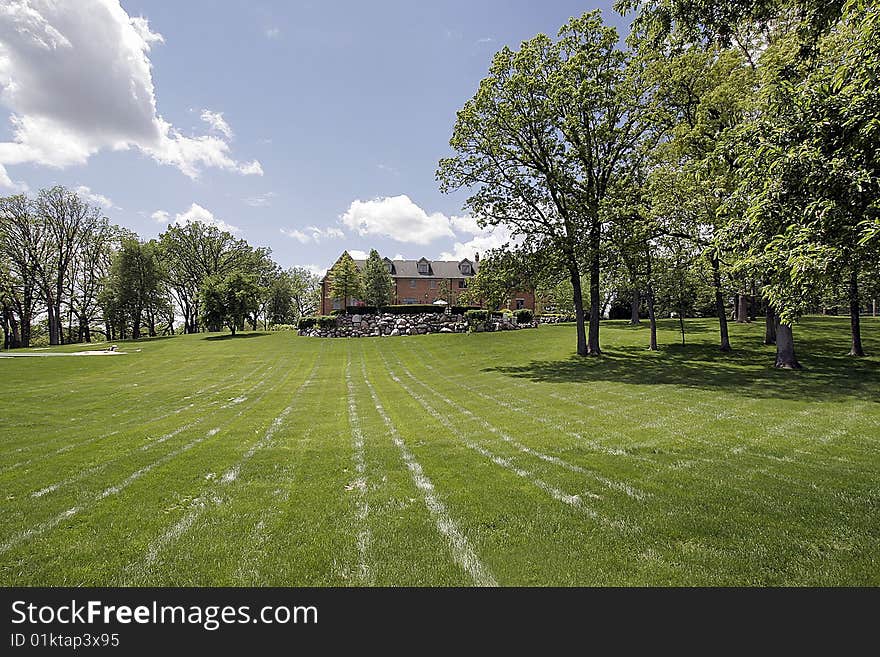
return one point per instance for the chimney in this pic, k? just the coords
(477, 256)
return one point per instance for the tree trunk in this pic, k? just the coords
(681, 325)
(854, 314)
(54, 333)
(595, 271)
(652, 316)
(742, 311)
(785, 357)
(719, 304)
(636, 304)
(770, 326)
(578, 310)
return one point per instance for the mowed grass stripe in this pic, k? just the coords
(307, 540)
(574, 500)
(673, 439)
(144, 571)
(102, 464)
(459, 545)
(106, 383)
(360, 483)
(138, 405)
(523, 534)
(459, 404)
(801, 510)
(98, 460)
(161, 485)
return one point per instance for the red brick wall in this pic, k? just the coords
(422, 292)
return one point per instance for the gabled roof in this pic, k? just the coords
(436, 268)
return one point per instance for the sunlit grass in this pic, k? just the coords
(487, 458)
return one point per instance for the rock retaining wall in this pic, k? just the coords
(362, 326)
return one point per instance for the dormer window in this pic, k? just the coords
(424, 266)
(389, 266)
(465, 267)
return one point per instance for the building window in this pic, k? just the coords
(432, 284)
(336, 304)
(412, 283)
(465, 268)
(462, 284)
(410, 300)
(520, 304)
(388, 267)
(423, 267)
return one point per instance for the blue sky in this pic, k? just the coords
(310, 127)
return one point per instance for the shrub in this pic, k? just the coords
(412, 309)
(461, 310)
(321, 321)
(283, 327)
(476, 319)
(523, 316)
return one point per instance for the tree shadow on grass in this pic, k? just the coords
(237, 336)
(745, 371)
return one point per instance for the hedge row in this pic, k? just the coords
(321, 321)
(400, 309)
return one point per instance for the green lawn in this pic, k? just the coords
(270, 459)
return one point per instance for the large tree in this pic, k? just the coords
(23, 244)
(227, 299)
(346, 282)
(378, 284)
(193, 252)
(543, 140)
(812, 172)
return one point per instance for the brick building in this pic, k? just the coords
(421, 281)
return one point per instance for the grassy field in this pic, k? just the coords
(271, 459)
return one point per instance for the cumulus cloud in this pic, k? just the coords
(77, 79)
(489, 238)
(317, 270)
(217, 122)
(272, 32)
(314, 234)
(160, 216)
(296, 234)
(260, 200)
(398, 218)
(197, 213)
(357, 254)
(94, 198)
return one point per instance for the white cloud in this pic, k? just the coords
(485, 40)
(93, 197)
(272, 32)
(314, 234)
(317, 270)
(396, 217)
(398, 256)
(77, 79)
(251, 168)
(387, 168)
(217, 122)
(357, 254)
(160, 216)
(260, 200)
(296, 234)
(197, 213)
(320, 234)
(489, 238)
